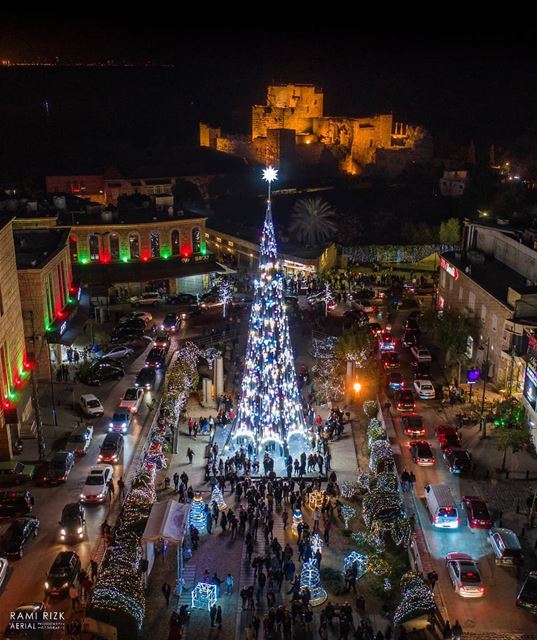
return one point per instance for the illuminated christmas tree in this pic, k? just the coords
(198, 517)
(270, 410)
(218, 498)
(311, 579)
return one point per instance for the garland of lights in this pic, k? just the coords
(416, 598)
(385, 481)
(349, 488)
(364, 480)
(368, 541)
(327, 298)
(270, 407)
(225, 293)
(358, 559)
(377, 565)
(310, 578)
(370, 408)
(381, 457)
(401, 531)
(381, 505)
(197, 516)
(329, 383)
(347, 512)
(375, 431)
(412, 253)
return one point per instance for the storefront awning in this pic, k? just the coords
(167, 521)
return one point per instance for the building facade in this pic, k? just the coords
(291, 126)
(14, 365)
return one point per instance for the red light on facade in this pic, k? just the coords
(145, 256)
(104, 258)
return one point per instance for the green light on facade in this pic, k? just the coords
(203, 249)
(165, 255)
(84, 260)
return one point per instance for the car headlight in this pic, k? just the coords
(110, 424)
(124, 424)
(148, 386)
(100, 457)
(47, 585)
(114, 458)
(80, 529)
(82, 495)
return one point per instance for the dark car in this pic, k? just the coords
(129, 339)
(15, 473)
(126, 332)
(458, 460)
(477, 512)
(192, 312)
(136, 324)
(412, 325)
(527, 596)
(412, 425)
(62, 573)
(156, 358)
(162, 341)
(447, 436)
(181, 298)
(395, 381)
(375, 328)
(146, 378)
(422, 370)
(421, 453)
(72, 523)
(410, 338)
(390, 360)
(404, 400)
(15, 503)
(56, 470)
(111, 448)
(17, 534)
(171, 322)
(101, 372)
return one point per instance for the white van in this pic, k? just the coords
(91, 406)
(442, 506)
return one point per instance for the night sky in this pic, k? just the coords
(460, 88)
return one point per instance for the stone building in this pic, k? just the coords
(50, 297)
(15, 404)
(291, 127)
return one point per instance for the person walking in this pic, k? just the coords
(285, 518)
(176, 482)
(411, 481)
(229, 584)
(111, 489)
(121, 487)
(404, 480)
(73, 594)
(457, 631)
(212, 613)
(190, 455)
(447, 633)
(219, 617)
(94, 567)
(166, 591)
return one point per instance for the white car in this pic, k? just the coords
(142, 315)
(91, 405)
(148, 298)
(132, 399)
(424, 389)
(3, 570)
(118, 353)
(80, 440)
(95, 488)
(464, 575)
(421, 354)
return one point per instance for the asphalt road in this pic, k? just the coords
(496, 611)
(26, 577)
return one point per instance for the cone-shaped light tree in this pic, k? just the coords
(270, 408)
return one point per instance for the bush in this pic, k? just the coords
(370, 409)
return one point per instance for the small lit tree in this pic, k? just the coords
(225, 293)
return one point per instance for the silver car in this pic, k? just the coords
(464, 575)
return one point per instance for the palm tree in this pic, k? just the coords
(312, 221)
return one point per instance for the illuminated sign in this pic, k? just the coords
(449, 268)
(472, 376)
(469, 348)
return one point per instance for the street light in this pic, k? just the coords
(357, 387)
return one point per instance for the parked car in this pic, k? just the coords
(506, 546)
(146, 378)
(376, 329)
(132, 400)
(80, 439)
(148, 298)
(118, 353)
(390, 360)
(26, 611)
(62, 574)
(421, 453)
(464, 575)
(386, 342)
(15, 473)
(477, 512)
(91, 406)
(410, 338)
(181, 298)
(135, 324)
(404, 400)
(162, 341)
(72, 523)
(55, 471)
(111, 448)
(17, 535)
(101, 372)
(458, 460)
(130, 339)
(447, 436)
(95, 488)
(421, 370)
(3, 570)
(424, 388)
(146, 316)
(527, 596)
(15, 503)
(421, 354)
(412, 425)
(121, 419)
(394, 381)
(156, 358)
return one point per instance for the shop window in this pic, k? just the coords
(196, 240)
(155, 244)
(134, 246)
(94, 248)
(73, 248)
(114, 246)
(176, 243)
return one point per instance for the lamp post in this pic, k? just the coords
(357, 387)
(485, 372)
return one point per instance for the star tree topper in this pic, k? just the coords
(269, 175)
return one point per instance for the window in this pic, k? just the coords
(471, 300)
(451, 284)
(196, 240)
(114, 246)
(94, 248)
(134, 246)
(63, 292)
(483, 313)
(176, 243)
(73, 248)
(443, 279)
(155, 244)
(494, 322)
(461, 292)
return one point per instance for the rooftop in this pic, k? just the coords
(35, 248)
(492, 276)
(131, 216)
